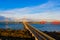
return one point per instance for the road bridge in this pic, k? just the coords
(39, 35)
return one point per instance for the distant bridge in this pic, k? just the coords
(39, 35)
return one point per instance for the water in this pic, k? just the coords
(47, 27)
(12, 25)
(42, 27)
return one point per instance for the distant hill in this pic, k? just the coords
(2, 18)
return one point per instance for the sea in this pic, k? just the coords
(43, 27)
(47, 27)
(13, 26)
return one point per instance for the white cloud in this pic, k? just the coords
(44, 11)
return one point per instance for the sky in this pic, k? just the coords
(30, 9)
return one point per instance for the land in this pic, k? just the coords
(23, 34)
(54, 34)
(15, 35)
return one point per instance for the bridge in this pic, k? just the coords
(39, 35)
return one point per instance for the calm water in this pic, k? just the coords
(43, 27)
(47, 27)
(12, 25)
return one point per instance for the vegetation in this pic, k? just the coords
(15, 33)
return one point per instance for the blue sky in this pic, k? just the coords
(11, 4)
(31, 9)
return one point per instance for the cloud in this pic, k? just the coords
(49, 10)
